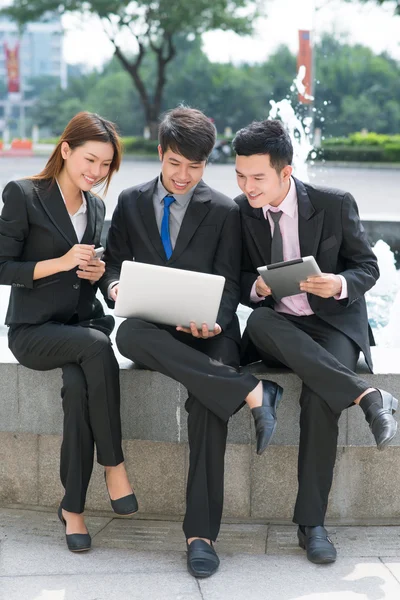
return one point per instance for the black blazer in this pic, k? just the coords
(331, 231)
(209, 241)
(35, 226)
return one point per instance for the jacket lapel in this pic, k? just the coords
(53, 204)
(94, 221)
(195, 213)
(310, 222)
(260, 232)
(146, 209)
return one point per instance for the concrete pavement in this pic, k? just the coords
(375, 190)
(144, 559)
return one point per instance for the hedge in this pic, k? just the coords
(369, 147)
(139, 145)
(357, 147)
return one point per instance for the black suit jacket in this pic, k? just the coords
(209, 241)
(330, 230)
(35, 226)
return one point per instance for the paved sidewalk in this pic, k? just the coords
(144, 559)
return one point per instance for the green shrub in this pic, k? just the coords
(392, 151)
(53, 140)
(336, 142)
(354, 153)
(368, 139)
(360, 147)
(138, 145)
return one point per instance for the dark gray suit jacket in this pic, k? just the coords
(209, 241)
(35, 226)
(331, 231)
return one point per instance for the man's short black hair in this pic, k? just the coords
(265, 137)
(188, 132)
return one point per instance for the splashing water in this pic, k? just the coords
(299, 129)
(299, 132)
(383, 300)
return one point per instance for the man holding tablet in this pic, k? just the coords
(177, 221)
(319, 331)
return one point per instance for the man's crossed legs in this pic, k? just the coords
(208, 368)
(325, 359)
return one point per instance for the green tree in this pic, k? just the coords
(355, 89)
(154, 26)
(395, 3)
(123, 108)
(55, 106)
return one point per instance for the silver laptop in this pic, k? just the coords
(168, 296)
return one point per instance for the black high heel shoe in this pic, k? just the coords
(125, 506)
(76, 542)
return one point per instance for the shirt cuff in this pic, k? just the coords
(110, 287)
(343, 294)
(254, 297)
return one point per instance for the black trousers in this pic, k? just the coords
(208, 369)
(90, 397)
(325, 359)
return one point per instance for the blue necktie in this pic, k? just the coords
(165, 238)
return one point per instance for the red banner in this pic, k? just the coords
(304, 63)
(12, 65)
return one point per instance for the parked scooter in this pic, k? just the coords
(221, 152)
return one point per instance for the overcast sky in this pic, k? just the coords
(86, 43)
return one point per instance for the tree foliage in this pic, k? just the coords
(395, 3)
(153, 25)
(355, 89)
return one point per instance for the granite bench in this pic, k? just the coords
(366, 484)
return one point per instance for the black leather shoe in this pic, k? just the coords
(76, 542)
(202, 560)
(320, 549)
(380, 418)
(265, 415)
(125, 506)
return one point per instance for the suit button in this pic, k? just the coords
(76, 286)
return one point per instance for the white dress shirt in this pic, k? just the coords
(79, 219)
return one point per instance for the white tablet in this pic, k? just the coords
(284, 277)
(168, 296)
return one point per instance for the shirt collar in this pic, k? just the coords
(83, 207)
(181, 199)
(288, 205)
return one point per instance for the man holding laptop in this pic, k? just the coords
(177, 221)
(318, 332)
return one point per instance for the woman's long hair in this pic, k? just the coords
(84, 127)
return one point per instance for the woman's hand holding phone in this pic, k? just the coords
(95, 268)
(79, 255)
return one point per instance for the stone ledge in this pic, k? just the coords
(152, 405)
(256, 488)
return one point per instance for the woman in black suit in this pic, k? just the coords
(49, 227)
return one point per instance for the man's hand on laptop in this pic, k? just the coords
(203, 332)
(114, 292)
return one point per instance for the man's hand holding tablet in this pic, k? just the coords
(284, 278)
(262, 289)
(326, 285)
